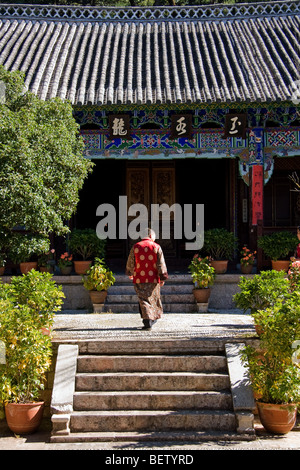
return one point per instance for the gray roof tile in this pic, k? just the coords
(200, 54)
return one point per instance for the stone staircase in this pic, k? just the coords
(150, 390)
(176, 295)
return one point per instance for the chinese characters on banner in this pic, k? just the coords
(235, 125)
(181, 126)
(119, 126)
(257, 193)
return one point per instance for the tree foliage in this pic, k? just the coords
(42, 167)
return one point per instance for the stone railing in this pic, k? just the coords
(186, 13)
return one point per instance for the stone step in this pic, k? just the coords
(172, 279)
(157, 363)
(156, 390)
(176, 296)
(149, 420)
(161, 346)
(134, 308)
(159, 381)
(151, 400)
(165, 298)
(124, 289)
(153, 436)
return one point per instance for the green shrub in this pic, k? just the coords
(98, 277)
(38, 292)
(86, 244)
(261, 291)
(278, 245)
(27, 354)
(203, 274)
(274, 375)
(219, 244)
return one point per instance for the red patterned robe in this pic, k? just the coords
(147, 266)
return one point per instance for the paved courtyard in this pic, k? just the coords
(75, 325)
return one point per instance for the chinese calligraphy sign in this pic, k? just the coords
(119, 126)
(235, 125)
(181, 126)
(257, 193)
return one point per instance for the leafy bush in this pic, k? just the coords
(27, 305)
(262, 290)
(86, 244)
(219, 244)
(98, 277)
(247, 256)
(43, 167)
(23, 246)
(27, 353)
(278, 245)
(274, 375)
(203, 274)
(38, 292)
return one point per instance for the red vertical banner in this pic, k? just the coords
(257, 193)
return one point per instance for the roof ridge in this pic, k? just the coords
(150, 14)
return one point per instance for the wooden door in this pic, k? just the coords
(149, 184)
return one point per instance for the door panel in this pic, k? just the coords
(153, 185)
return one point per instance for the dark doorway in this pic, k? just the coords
(204, 181)
(196, 181)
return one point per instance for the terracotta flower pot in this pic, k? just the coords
(65, 270)
(81, 267)
(201, 295)
(24, 418)
(280, 265)
(220, 266)
(247, 269)
(277, 419)
(26, 267)
(46, 331)
(98, 297)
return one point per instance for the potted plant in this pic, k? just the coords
(86, 244)
(26, 305)
(24, 246)
(65, 263)
(46, 262)
(22, 377)
(247, 260)
(219, 245)
(274, 375)
(279, 246)
(97, 280)
(203, 276)
(261, 291)
(39, 292)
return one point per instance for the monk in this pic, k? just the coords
(147, 268)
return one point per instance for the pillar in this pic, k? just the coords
(256, 163)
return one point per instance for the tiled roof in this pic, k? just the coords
(219, 53)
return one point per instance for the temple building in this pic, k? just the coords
(186, 105)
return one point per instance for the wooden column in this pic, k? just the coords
(256, 162)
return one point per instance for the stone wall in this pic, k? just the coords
(77, 297)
